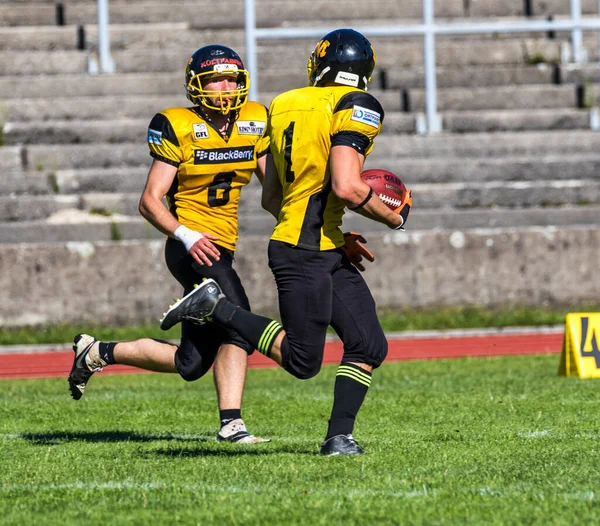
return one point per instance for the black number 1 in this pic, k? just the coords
(288, 135)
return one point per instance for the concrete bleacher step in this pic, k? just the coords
(77, 225)
(20, 182)
(269, 12)
(511, 168)
(510, 195)
(485, 145)
(391, 54)
(532, 97)
(62, 86)
(127, 130)
(53, 157)
(433, 196)
(170, 83)
(99, 180)
(468, 195)
(184, 35)
(442, 170)
(131, 179)
(454, 99)
(483, 218)
(27, 208)
(230, 14)
(157, 83)
(515, 120)
(32, 207)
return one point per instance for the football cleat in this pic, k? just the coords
(196, 306)
(235, 432)
(87, 361)
(341, 445)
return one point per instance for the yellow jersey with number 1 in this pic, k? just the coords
(211, 169)
(302, 127)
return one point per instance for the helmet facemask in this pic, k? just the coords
(228, 99)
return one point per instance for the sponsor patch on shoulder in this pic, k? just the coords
(251, 127)
(154, 136)
(366, 116)
(200, 131)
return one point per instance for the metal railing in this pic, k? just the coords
(106, 63)
(428, 30)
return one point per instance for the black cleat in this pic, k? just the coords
(341, 445)
(196, 306)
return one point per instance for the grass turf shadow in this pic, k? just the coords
(57, 437)
(221, 449)
(204, 446)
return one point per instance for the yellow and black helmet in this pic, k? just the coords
(213, 60)
(343, 56)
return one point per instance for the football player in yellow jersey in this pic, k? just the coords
(203, 156)
(319, 138)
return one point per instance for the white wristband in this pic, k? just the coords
(401, 225)
(187, 237)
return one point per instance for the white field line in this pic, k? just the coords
(534, 434)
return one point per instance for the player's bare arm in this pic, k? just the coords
(272, 191)
(152, 208)
(346, 165)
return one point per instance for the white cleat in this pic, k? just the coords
(235, 432)
(87, 361)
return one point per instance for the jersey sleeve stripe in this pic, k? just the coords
(164, 159)
(355, 140)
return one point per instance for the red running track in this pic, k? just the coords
(59, 362)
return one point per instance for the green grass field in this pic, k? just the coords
(469, 441)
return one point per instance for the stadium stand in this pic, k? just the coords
(517, 150)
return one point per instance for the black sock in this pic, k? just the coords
(106, 351)
(227, 415)
(258, 330)
(351, 386)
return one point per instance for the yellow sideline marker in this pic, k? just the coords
(581, 353)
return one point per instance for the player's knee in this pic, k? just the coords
(191, 368)
(371, 351)
(377, 351)
(192, 372)
(304, 371)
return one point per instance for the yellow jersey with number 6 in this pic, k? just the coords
(211, 169)
(302, 127)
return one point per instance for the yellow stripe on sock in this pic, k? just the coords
(356, 370)
(351, 372)
(267, 336)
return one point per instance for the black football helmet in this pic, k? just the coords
(343, 56)
(214, 60)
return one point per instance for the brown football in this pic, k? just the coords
(388, 186)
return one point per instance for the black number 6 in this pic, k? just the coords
(221, 181)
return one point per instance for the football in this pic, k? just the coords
(388, 186)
